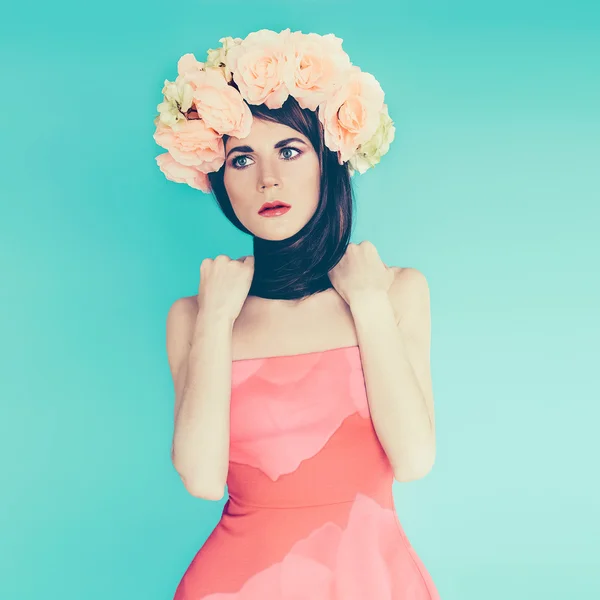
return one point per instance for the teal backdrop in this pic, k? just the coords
(491, 189)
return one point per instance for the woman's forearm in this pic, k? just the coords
(201, 435)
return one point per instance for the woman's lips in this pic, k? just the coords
(273, 209)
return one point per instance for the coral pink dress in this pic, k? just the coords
(310, 513)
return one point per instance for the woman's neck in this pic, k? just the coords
(284, 271)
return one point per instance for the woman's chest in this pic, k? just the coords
(264, 329)
(269, 328)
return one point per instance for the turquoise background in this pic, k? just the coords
(491, 189)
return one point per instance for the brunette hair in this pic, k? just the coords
(298, 266)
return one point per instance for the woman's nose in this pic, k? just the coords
(268, 181)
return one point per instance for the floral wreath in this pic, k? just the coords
(201, 106)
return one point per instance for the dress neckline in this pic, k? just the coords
(241, 360)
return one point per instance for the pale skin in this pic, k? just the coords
(384, 310)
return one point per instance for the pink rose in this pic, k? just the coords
(188, 64)
(179, 173)
(317, 61)
(220, 105)
(351, 115)
(192, 144)
(260, 65)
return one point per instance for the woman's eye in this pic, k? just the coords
(235, 162)
(289, 149)
(238, 164)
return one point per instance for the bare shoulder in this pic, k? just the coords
(180, 325)
(409, 286)
(409, 277)
(182, 308)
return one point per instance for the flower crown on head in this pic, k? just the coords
(202, 105)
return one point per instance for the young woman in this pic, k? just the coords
(301, 373)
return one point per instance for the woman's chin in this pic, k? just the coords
(274, 231)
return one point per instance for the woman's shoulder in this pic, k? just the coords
(183, 309)
(408, 286)
(187, 302)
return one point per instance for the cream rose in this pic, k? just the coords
(192, 144)
(259, 65)
(220, 105)
(317, 61)
(179, 173)
(188, 64)
(350, 115)
(370, 153)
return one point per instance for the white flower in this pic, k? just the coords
(218, 57)
(369, 154)
(177, 101)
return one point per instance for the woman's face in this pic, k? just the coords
(269, 166)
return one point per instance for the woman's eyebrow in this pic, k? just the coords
(277, 145)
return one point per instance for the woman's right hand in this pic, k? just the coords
(224, 285)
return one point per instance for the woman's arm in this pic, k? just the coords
(199, 348)
(396, 363)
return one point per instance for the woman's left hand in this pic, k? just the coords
(360, 271)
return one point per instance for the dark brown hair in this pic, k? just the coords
(298, 266)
